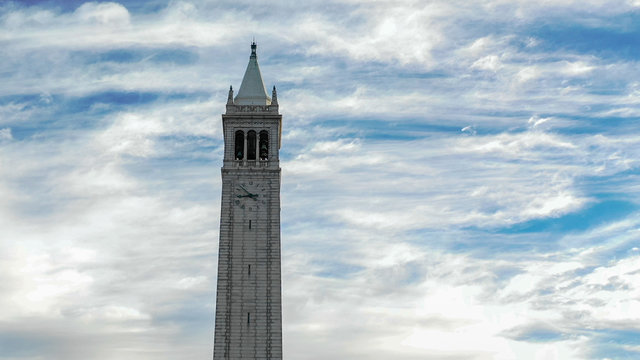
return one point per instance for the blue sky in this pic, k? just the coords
(460, 178)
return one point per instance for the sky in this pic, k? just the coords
(460, 179)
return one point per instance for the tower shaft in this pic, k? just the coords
(248, 321)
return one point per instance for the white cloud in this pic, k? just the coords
(469, 129)
(338, 146)
(5, 134)
(578, 68)
(528, 73)
(107, 13)
(107, 24)
(536, 121)
(450, 296)
(406, 34)
(490, 62)
(485, 180)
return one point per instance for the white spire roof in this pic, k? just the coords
(252, 91)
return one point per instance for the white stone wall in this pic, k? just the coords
(248, 301)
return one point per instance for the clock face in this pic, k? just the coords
(249, 193)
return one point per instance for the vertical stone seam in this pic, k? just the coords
(227, 335)
(269, 272)
(243, 255)
(256, 296)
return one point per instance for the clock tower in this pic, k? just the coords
(248, 322)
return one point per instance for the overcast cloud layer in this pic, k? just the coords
(460, 178)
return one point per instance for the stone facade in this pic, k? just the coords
(248, 322)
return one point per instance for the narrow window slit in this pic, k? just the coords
(249, 224)
(239, 145)
(251, 145)
(248, 318)
(264, 145)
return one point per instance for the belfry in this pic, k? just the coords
(248, 321)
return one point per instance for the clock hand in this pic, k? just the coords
(247, 191)
(253, 196)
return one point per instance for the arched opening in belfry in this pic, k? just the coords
(251, 145)
(239, 145)
(263, 145)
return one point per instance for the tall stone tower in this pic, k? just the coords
(248, 301)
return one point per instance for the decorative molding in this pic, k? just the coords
(231, 109)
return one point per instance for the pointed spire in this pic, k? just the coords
(230, 98)
(274, 96)
(252, 91)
